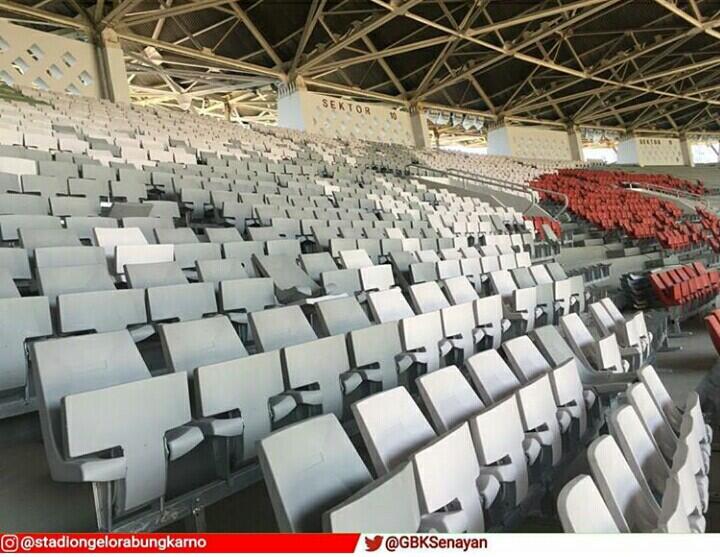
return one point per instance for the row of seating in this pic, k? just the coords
(685, 285)
(599, 197)
(650, 474)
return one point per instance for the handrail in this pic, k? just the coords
(672, 192)
(466, 176)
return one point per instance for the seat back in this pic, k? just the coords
(191, 344)
(184, 302)
(427, 297)
(498, 436)
(582, 509)
(460, 290)
(448, 397)
(525, 359)
(376, 277)
(389, 305)
(101, 312)
(148, 275)
(135, 416)
(309, 467)
(388, 504)
(639, 448)
(539, 414)
(76, 364)
(660, 396)
(423, 333)
(650, 414)
(243, 385)
(569, 393)
(492, 377)
(447, 471)
(54, 281)
(280, 327)
(340, 316)
(69, 256)
(392, 427)
(376, 350)
(632, 507)
(489, 318)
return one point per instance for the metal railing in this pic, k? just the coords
(513, 188)
(680, 195)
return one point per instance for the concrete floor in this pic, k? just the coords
(31, 501)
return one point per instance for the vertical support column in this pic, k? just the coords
(111, 66)
(576, 146)
(686, 151)
(290, 105)
(420, 129)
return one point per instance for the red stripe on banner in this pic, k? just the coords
(178, 543)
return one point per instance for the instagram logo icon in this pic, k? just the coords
(9, 543)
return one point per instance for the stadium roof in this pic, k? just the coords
(613, 64)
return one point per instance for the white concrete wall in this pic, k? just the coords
(650, 151)
(47, 61)
(333, 117)
(529, 142)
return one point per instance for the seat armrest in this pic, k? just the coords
(489, 486)
(221, 427)
(444, 522)
(181, 440)
(101, 469)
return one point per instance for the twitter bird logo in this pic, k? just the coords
(373, 544)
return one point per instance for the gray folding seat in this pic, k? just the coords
(9, 182)
(335, 244)
(682, 476)
(139, 254)
(286, 459)
(340, 316)
(504, 450)
(424, 345)
(74, 207)
(388, 504)
(374, 353)
(16, 263)
(291, 282)
(147, 275)
(639, 449)
(355, 259)
(54, 281)
(148, 225)
(521, 303)
(376, 277)
(632, 332)
(95, 393)
(223, 235)
(461, 330)
(459, 484)
(449, 398)
(341, 281)
(182, 302)
(603, 354)
(69, 256)
(582, 510)
(427, 256)
(176, 236)
(244, 252)
(288, 248)
(105, 311)
(401, 261)
(45, 186)
(10, 224)
(423, 272)
(280, 327)
(21, 321)
(489, 318)
(32, 238)
(189, 345)
(526, 361)
(187, 255)
(20, 204)
(557, 351)
(235, 398)
(459, 290)
(665, 438)
(217, 270)
(98, 172)
(314, 264)
(242, 296)
(318, 373)
(628, 342)
(236, 214)
(128, 191)
(492, 377)
(83, 226)
(392, 427)
(672, 415)
(427, 297)
(371, 247)
(632, 507)
(540, 417)
(389, 305)
(91, 189)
